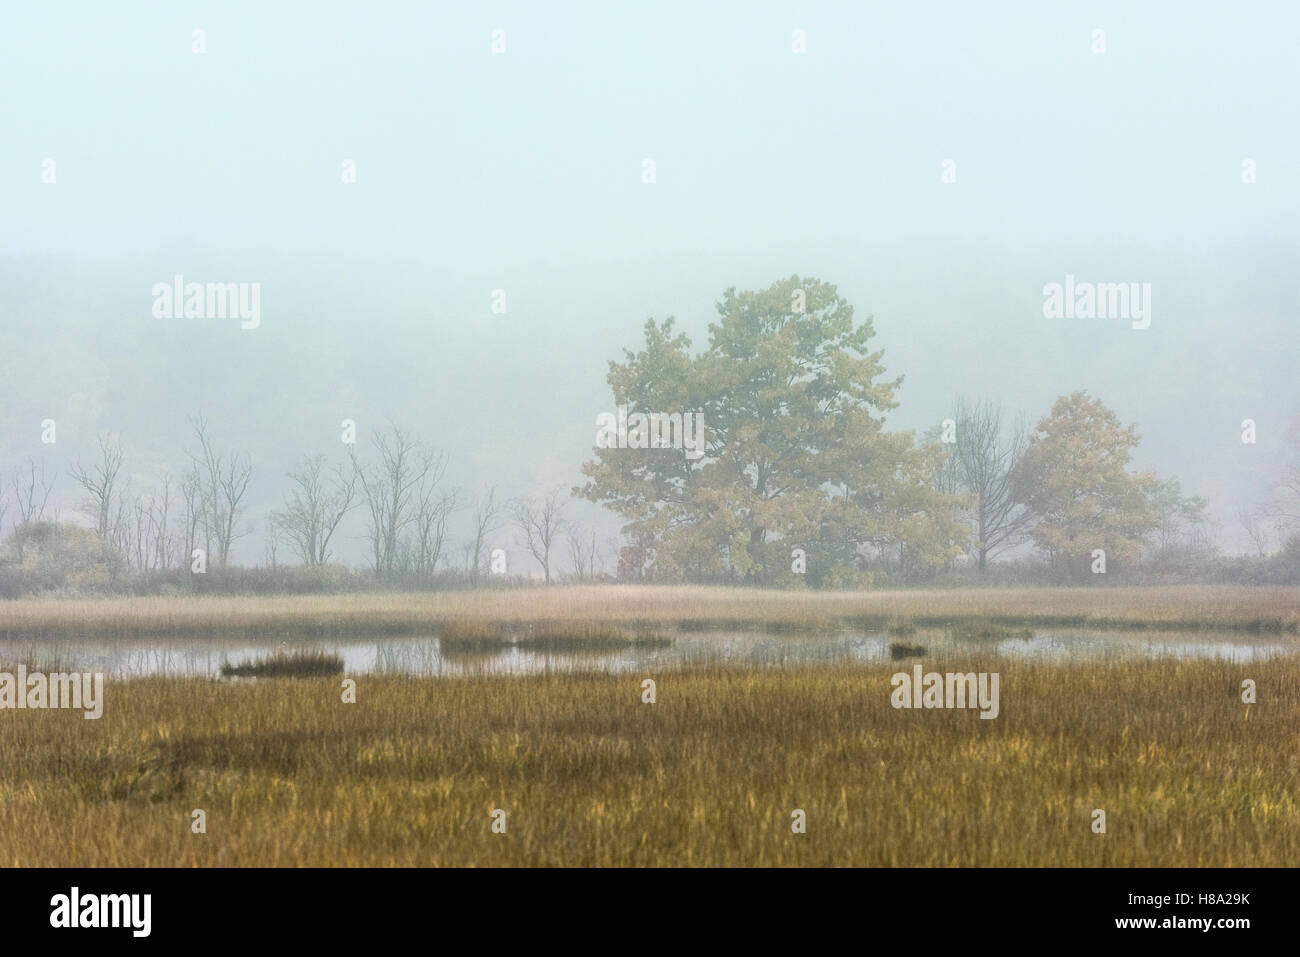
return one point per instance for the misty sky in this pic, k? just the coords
(522, 171)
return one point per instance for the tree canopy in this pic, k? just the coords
(796, 455)
(1074, 477)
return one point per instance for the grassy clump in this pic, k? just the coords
(295, 664)
(799, 625)
(987, 629)
(488, 636)
(563, 640)
(472, 636)
(898, 650)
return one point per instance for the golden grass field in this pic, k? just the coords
(1182, 606)
(708, 775)
(588, 774)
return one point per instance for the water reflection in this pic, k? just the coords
(425, 656)
(1084, 645)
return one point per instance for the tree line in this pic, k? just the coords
(802, 481)
(189, 525)
(798, 483)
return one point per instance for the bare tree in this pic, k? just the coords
(1180, 517)
(979, 464)
(143, 531)
(31, 495)
(271, 550)
(140, 533)
(582, 551)
(610, 553)
(192, 522)
(318, 502)
(160, 525)
(487, 519)
(1284, 510)
(222, 483)
(100, 483)
(121, 528)
(429, 533)
(1281, 515)
(390, 489)
(540, 524)
(1253, 521)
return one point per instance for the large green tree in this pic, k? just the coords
(795, 452)
(1074, 478)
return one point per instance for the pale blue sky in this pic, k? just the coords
(522, 171)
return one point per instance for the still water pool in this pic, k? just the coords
(133, 658)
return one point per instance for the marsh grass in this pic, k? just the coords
(488, 636)
(899, 651)
(300, 663)
(708, 775)
(43, 658)
(657, 608)
(900, 629)
(471, 636)
(987, 629)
